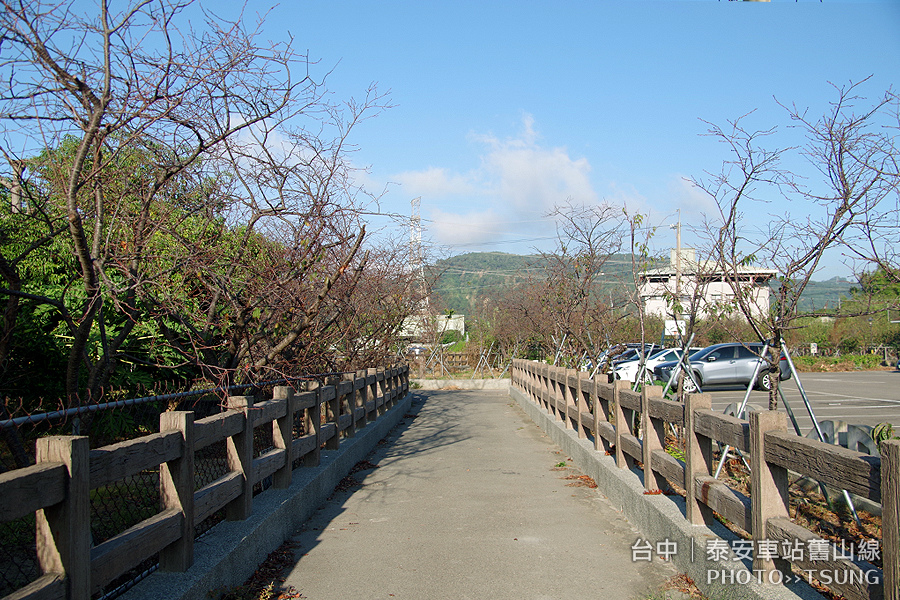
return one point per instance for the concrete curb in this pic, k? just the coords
(661, 518)
(460, 384)
(232, 551)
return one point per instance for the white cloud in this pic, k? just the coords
(469, 228)
(695, 204)
(517, 181)
(529, 176)
(434, 182)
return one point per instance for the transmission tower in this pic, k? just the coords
(416, 261)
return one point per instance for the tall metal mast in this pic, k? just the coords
(416, 259)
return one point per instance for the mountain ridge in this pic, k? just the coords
(461, 281)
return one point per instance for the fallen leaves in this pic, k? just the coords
(363, 465)
(262, 584)
(581, 481)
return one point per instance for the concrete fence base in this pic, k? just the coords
(660, 519)
(231, 551)
(460, 384)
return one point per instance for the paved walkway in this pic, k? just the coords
(466, 501)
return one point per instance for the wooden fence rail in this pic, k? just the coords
(607, 411)
(57, 489)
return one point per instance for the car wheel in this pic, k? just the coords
(764, 381)
(689, 386)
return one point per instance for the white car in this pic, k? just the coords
(628, 371)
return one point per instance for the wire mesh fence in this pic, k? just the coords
(124, 503)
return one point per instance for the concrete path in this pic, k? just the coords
(467, 501)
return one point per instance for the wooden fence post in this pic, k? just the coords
(599, 442)
(381, 394)
(361, 391)
(603, 406)
(768, 488)
(621, 425)
(239, 448)
(698, 459)
(333, 414)
(176, 490)
(312, 423)
(549, 389)
(654, 439)
(63, 533)
(282, 435)
(890, 518)
(561, 396)
(390, 379)
(579, 404)
(570, 399)
(350, 399)
(373, 394)
(387, 387)
(530, 381)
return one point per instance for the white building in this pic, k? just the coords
(423, 327)
(658, 286)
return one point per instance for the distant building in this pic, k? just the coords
(657, 286)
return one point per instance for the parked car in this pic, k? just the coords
(724, 364)
(628, 371)
(633, 353)
(415, 350)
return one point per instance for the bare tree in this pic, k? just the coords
(854, 158)
(572, 297)
(172, 163)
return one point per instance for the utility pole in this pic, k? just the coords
(415, 251)
(677, 228)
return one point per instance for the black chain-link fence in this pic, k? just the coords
(125, 503)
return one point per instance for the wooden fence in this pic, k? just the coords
(58, 487)
(604, 412)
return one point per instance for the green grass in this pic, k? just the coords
(845, 362)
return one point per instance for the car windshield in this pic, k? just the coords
(701, 354)
(666, 354)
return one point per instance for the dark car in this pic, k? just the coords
(632, 353)
(725, 364)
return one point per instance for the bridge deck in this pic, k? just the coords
(467, 502)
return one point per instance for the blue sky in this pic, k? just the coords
(505, 109)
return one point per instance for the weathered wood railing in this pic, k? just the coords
(604, 412)
(57, 488)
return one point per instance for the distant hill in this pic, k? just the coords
(464, 280)
(825, 294)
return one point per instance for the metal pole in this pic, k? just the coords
(559, 350)
(740, 411)
(812, 416)
(789, 411)
(678, 367)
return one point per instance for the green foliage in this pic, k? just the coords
(883, 432)
(675, 452)
(838, 363)
(451, 337)
(878, 283)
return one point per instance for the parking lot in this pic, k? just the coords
(857, 398)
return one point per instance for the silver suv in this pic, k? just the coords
(725, 364)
